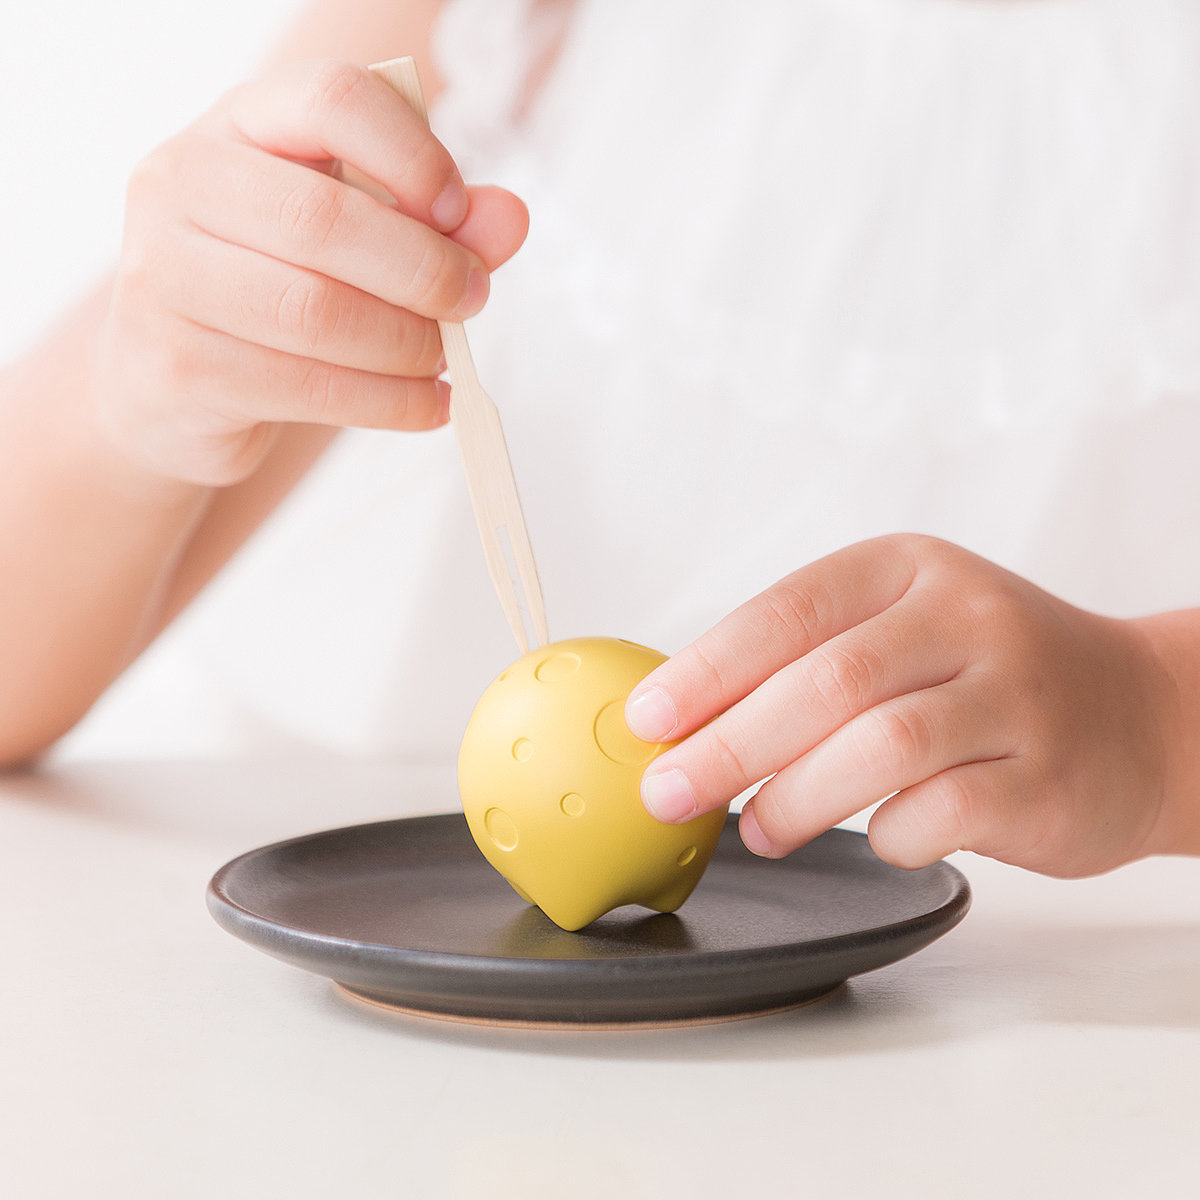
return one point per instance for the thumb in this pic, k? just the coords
(494, 227)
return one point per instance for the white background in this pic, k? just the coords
(1049, 1047)
(85, 91)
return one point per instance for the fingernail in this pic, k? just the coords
(651, 715)
(668, 796)
(450, 208)
(756, 841)
(476, 295)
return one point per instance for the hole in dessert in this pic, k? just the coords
(557, 667)
(616, 742)
(501, 828)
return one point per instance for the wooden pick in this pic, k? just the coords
(481, 443)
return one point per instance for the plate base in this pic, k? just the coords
(377, 1002)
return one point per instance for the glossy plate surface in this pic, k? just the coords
(408, 913)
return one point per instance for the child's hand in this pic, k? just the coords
(996, 717)
(256, 287)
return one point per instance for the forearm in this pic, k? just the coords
(88, 543)
(1174, 638)
(238, 339)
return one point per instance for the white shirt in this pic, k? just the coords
(799, 273)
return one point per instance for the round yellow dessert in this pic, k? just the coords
(549, 776)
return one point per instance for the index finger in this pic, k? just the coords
(778, 626)
(326, 111)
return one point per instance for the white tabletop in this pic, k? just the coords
(1048, 1046)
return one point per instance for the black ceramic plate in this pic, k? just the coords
(408, 913)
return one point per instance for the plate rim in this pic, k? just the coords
(236, 919)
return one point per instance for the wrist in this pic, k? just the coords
(57, 426)
(1173, 642)
(119, 470)
(97, 430)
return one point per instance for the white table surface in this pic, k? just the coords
(1048, 1046)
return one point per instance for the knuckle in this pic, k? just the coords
(143, 250)
(406, 407)
(430, 169)
(985, 610)
(429, 356)
(432, 288)
(995, 612)
(902, 734)
(331, 84)
(728, 755)
(178, 362)
(232, 99)
(923, 824)
(308, 311)
(310, 212)
(921, 546)
(416, 346)
(161, 166)
(318, 388)
(841, 679)
(916, 543)
(794, 608)
(712, 678)
(949, 809)
(923, 554)
(145, 178)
